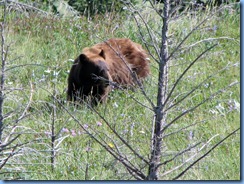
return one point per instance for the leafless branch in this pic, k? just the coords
(6, 159)
(190, 158)
(204, 155)
(206, 40)
(28, 104)
(192, 31)
(146, 43)
(179, 153)
(149, 31)
(122, 140)
(17, 66)
(184, 72)
(198, 105)
(156, 9)
(179, 130)
(197, 87)
(133, 75)
(132, 169)
(19, 5)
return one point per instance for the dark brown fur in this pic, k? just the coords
(113, 60)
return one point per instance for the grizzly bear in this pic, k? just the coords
(115, 62)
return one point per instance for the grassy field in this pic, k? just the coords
(41, 53)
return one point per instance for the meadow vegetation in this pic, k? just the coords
(41, 53)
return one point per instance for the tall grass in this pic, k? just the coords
(46, 47)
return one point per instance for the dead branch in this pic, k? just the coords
(192, 31)
(149, 31)
(131, 168)
(204, 155)
(16, 5)
(179, 154)
(198, 105)
(134, 76)
(184, 72)
(190, 158)
(196, 87)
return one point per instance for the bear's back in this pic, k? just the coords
(122, 57)
(120, 49)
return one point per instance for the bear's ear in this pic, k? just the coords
(82, 57)
(102, 54)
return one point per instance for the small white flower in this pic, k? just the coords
(142, 131)
(47, 71)
(221, 109)
(213, 111)
(55, 73)
(116, 105)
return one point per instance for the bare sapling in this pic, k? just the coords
(166, 106)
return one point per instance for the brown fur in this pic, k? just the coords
(113, 60)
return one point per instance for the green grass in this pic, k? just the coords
(46, 46)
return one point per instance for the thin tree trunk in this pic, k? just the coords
(160, 116)
(2, 75)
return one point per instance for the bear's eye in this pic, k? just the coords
(102, 66)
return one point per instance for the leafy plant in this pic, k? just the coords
(91, 8)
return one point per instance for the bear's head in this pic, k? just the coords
(89, 76)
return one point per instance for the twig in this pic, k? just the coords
(133, 75)
(179, 153)
(87, 162)
(158, 12)
(204, 155)
(206, 40)
(26, 6)
(184, 72)
(28, 104)
(199, 104)
(9, 156)
(148, 31)
(191, 32)
(108, 124)
(189, 159)
(197, 87)
(132, 169)
(13, 67)
(179, 130)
